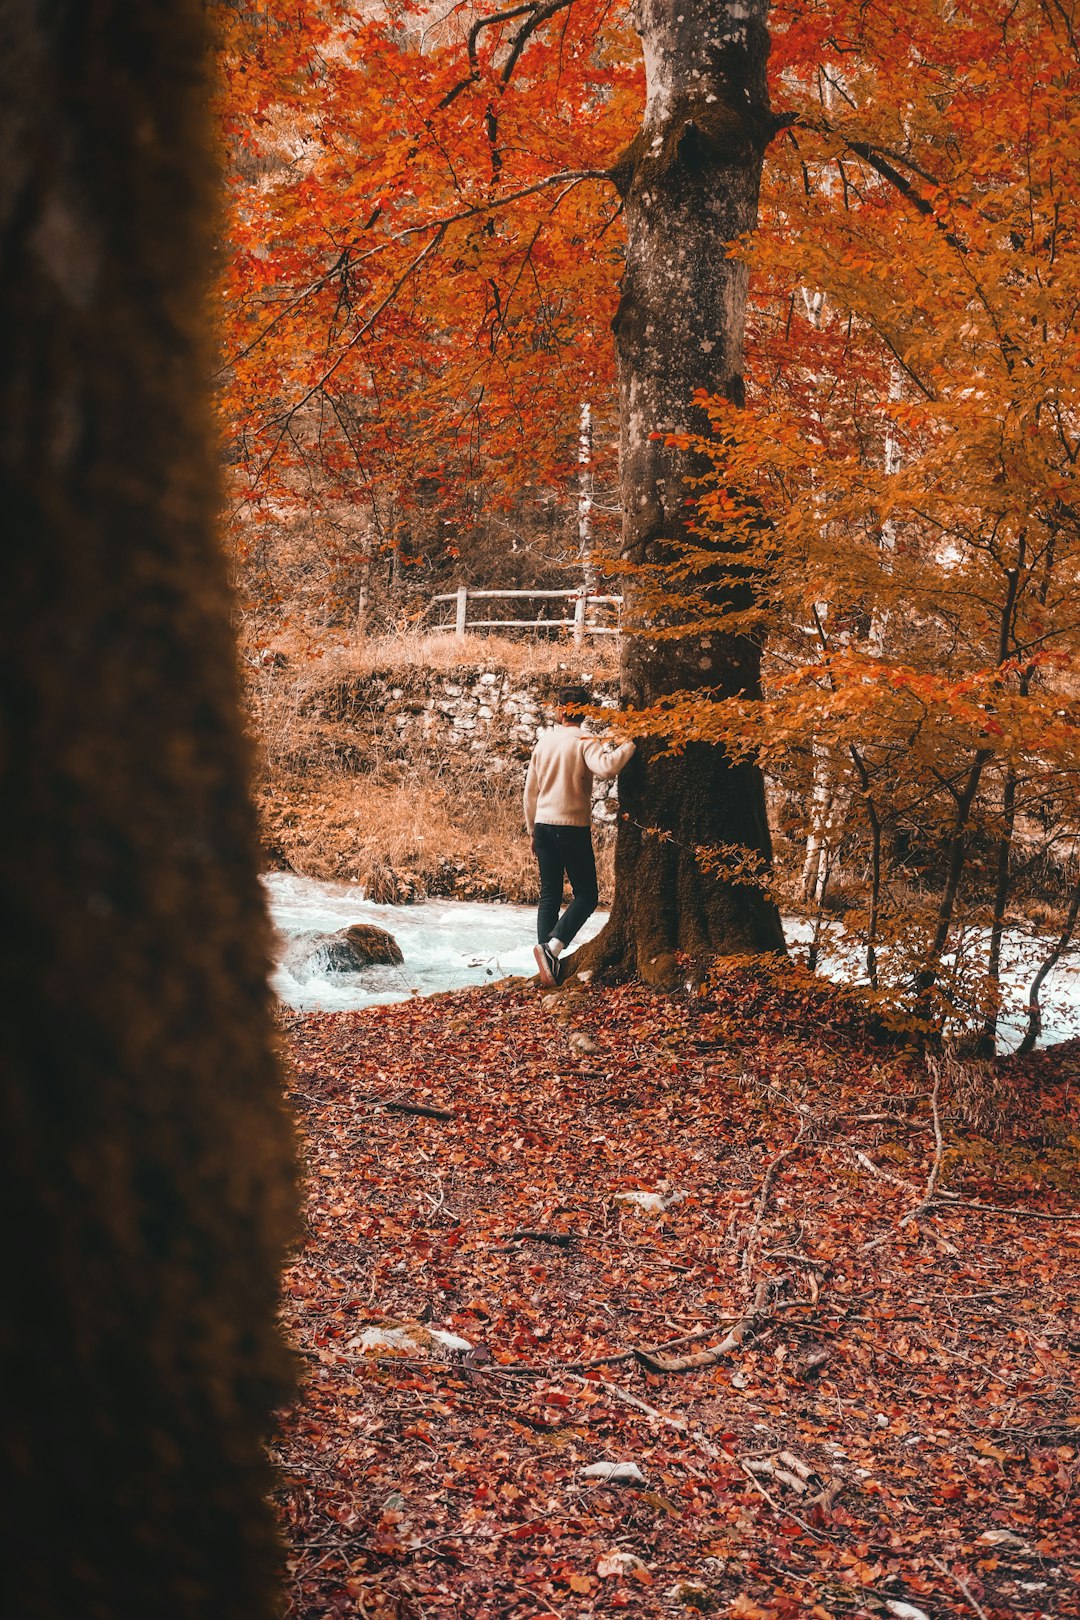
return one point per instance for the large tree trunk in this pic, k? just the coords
(145, 1158)
(690, 186)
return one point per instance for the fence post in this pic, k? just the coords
(462, 610)
(580, 609)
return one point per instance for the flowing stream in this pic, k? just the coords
(448, 944)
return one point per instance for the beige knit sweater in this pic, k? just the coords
(558, 786)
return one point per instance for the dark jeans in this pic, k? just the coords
(566, 850)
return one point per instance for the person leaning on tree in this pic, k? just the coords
(558, 815)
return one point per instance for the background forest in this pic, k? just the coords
(420, 267)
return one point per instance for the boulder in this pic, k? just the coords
(364, 945)
(350, 950)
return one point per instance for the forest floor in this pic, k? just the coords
(815, 1297)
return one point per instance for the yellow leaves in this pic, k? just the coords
(985, 1449)
(744, 1608)
(736, 864)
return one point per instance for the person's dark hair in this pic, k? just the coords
(573, 699)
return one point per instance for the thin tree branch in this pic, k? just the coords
(471, 43)
(541, 15)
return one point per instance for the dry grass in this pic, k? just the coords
(409, 838)
(500, 654)
(975, 1092)
(338, 802)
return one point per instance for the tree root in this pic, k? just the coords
(741, 1330)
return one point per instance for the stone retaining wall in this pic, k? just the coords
(490, 717)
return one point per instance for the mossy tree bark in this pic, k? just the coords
(690, 185)
(146, 1162)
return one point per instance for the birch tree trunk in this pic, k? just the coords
(689, 184)
(363, 587)
(585, 503)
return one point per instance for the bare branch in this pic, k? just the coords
(656, 1363)
(474, 35)
(541, 15)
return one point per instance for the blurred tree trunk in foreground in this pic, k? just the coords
(145, 1158)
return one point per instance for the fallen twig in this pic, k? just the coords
(559, 1368)
(962, 1584)
(784, 1512)
(939, 1140)
(423, 1109)
(562, 1239)
(751, 1234)
(941, 1205)
(797, 1259)
(798, 1476)
(657, 1349)
(867, 1163)
(765, 1465)
(639, 1405)
(928, 1199)
(797, 1466)
(658, 1363)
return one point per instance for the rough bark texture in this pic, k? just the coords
(146, 1163)
(690, 186)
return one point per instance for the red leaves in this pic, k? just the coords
(455, 1484)
(388, 324)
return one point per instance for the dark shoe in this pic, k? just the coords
(548, 963)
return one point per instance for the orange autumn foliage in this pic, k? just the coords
(422, 264)
(424, 255)
(902, 484)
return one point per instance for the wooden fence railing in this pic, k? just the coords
(579, 623)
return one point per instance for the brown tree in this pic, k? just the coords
(145, 1158)
(689, 184)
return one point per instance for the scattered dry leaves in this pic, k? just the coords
(928, 1382)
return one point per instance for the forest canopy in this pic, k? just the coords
(425, 244)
